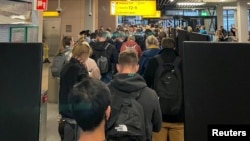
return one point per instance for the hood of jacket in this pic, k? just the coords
(99, 46)
(128, 82)
(130, 43)
(151, 52)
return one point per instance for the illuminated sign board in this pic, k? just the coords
(132, 7)
(156, 15)
(204, 13)
(50, 13)
(41, 4)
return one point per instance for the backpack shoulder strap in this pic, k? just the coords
(159, 70)
(106, 47)
(177, 70)
(134, 46)
(177, 61)
(159, 59)
(136, 95)
(116, 103)
(65, 50)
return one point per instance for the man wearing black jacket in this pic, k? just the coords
(128, 81)
(110, 52)
(172, 125)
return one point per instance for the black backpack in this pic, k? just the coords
(126, 122)
(103, 61)
(168, 86)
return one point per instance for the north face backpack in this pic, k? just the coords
(103, 61)
(57, 64)
(126, 122)
(167, 84)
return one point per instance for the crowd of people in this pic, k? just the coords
(105, 69)
(222, 35)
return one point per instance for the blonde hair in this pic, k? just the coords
(131, 37)
(189, 29)
(81, 47)
(91, 51)
(152, 40)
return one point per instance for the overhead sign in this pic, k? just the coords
(41, 4)
(132, 7)
(156, 15)
(50, 14)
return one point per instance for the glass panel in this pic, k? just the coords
(119, 20)
(228, 19)
(191, 13)
(212, 12)
(225, 19)
(174, 12)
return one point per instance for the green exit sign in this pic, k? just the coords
(204, 13)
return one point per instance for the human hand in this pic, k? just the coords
(80, 60)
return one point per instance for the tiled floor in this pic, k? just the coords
(52, 110)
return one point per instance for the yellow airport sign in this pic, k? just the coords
(50, 13)
(157, 15)
(132, 7)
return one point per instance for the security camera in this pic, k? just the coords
(90, 13)
(59, 9)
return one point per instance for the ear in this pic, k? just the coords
(118, 67)
(137, 68)
(107, 112)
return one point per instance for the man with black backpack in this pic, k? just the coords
(135, 107)
(105, 55)
(164, 75)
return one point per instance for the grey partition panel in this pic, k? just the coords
(216, 88)
(181, 37)
(198, 37)
(20, 91)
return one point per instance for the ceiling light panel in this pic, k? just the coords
(190, 3)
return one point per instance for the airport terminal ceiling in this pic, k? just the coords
(175, 4)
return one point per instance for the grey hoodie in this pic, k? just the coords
(149, 100)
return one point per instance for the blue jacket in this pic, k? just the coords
(202, 31)
(146, 55)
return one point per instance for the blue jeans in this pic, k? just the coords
(106, 77)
